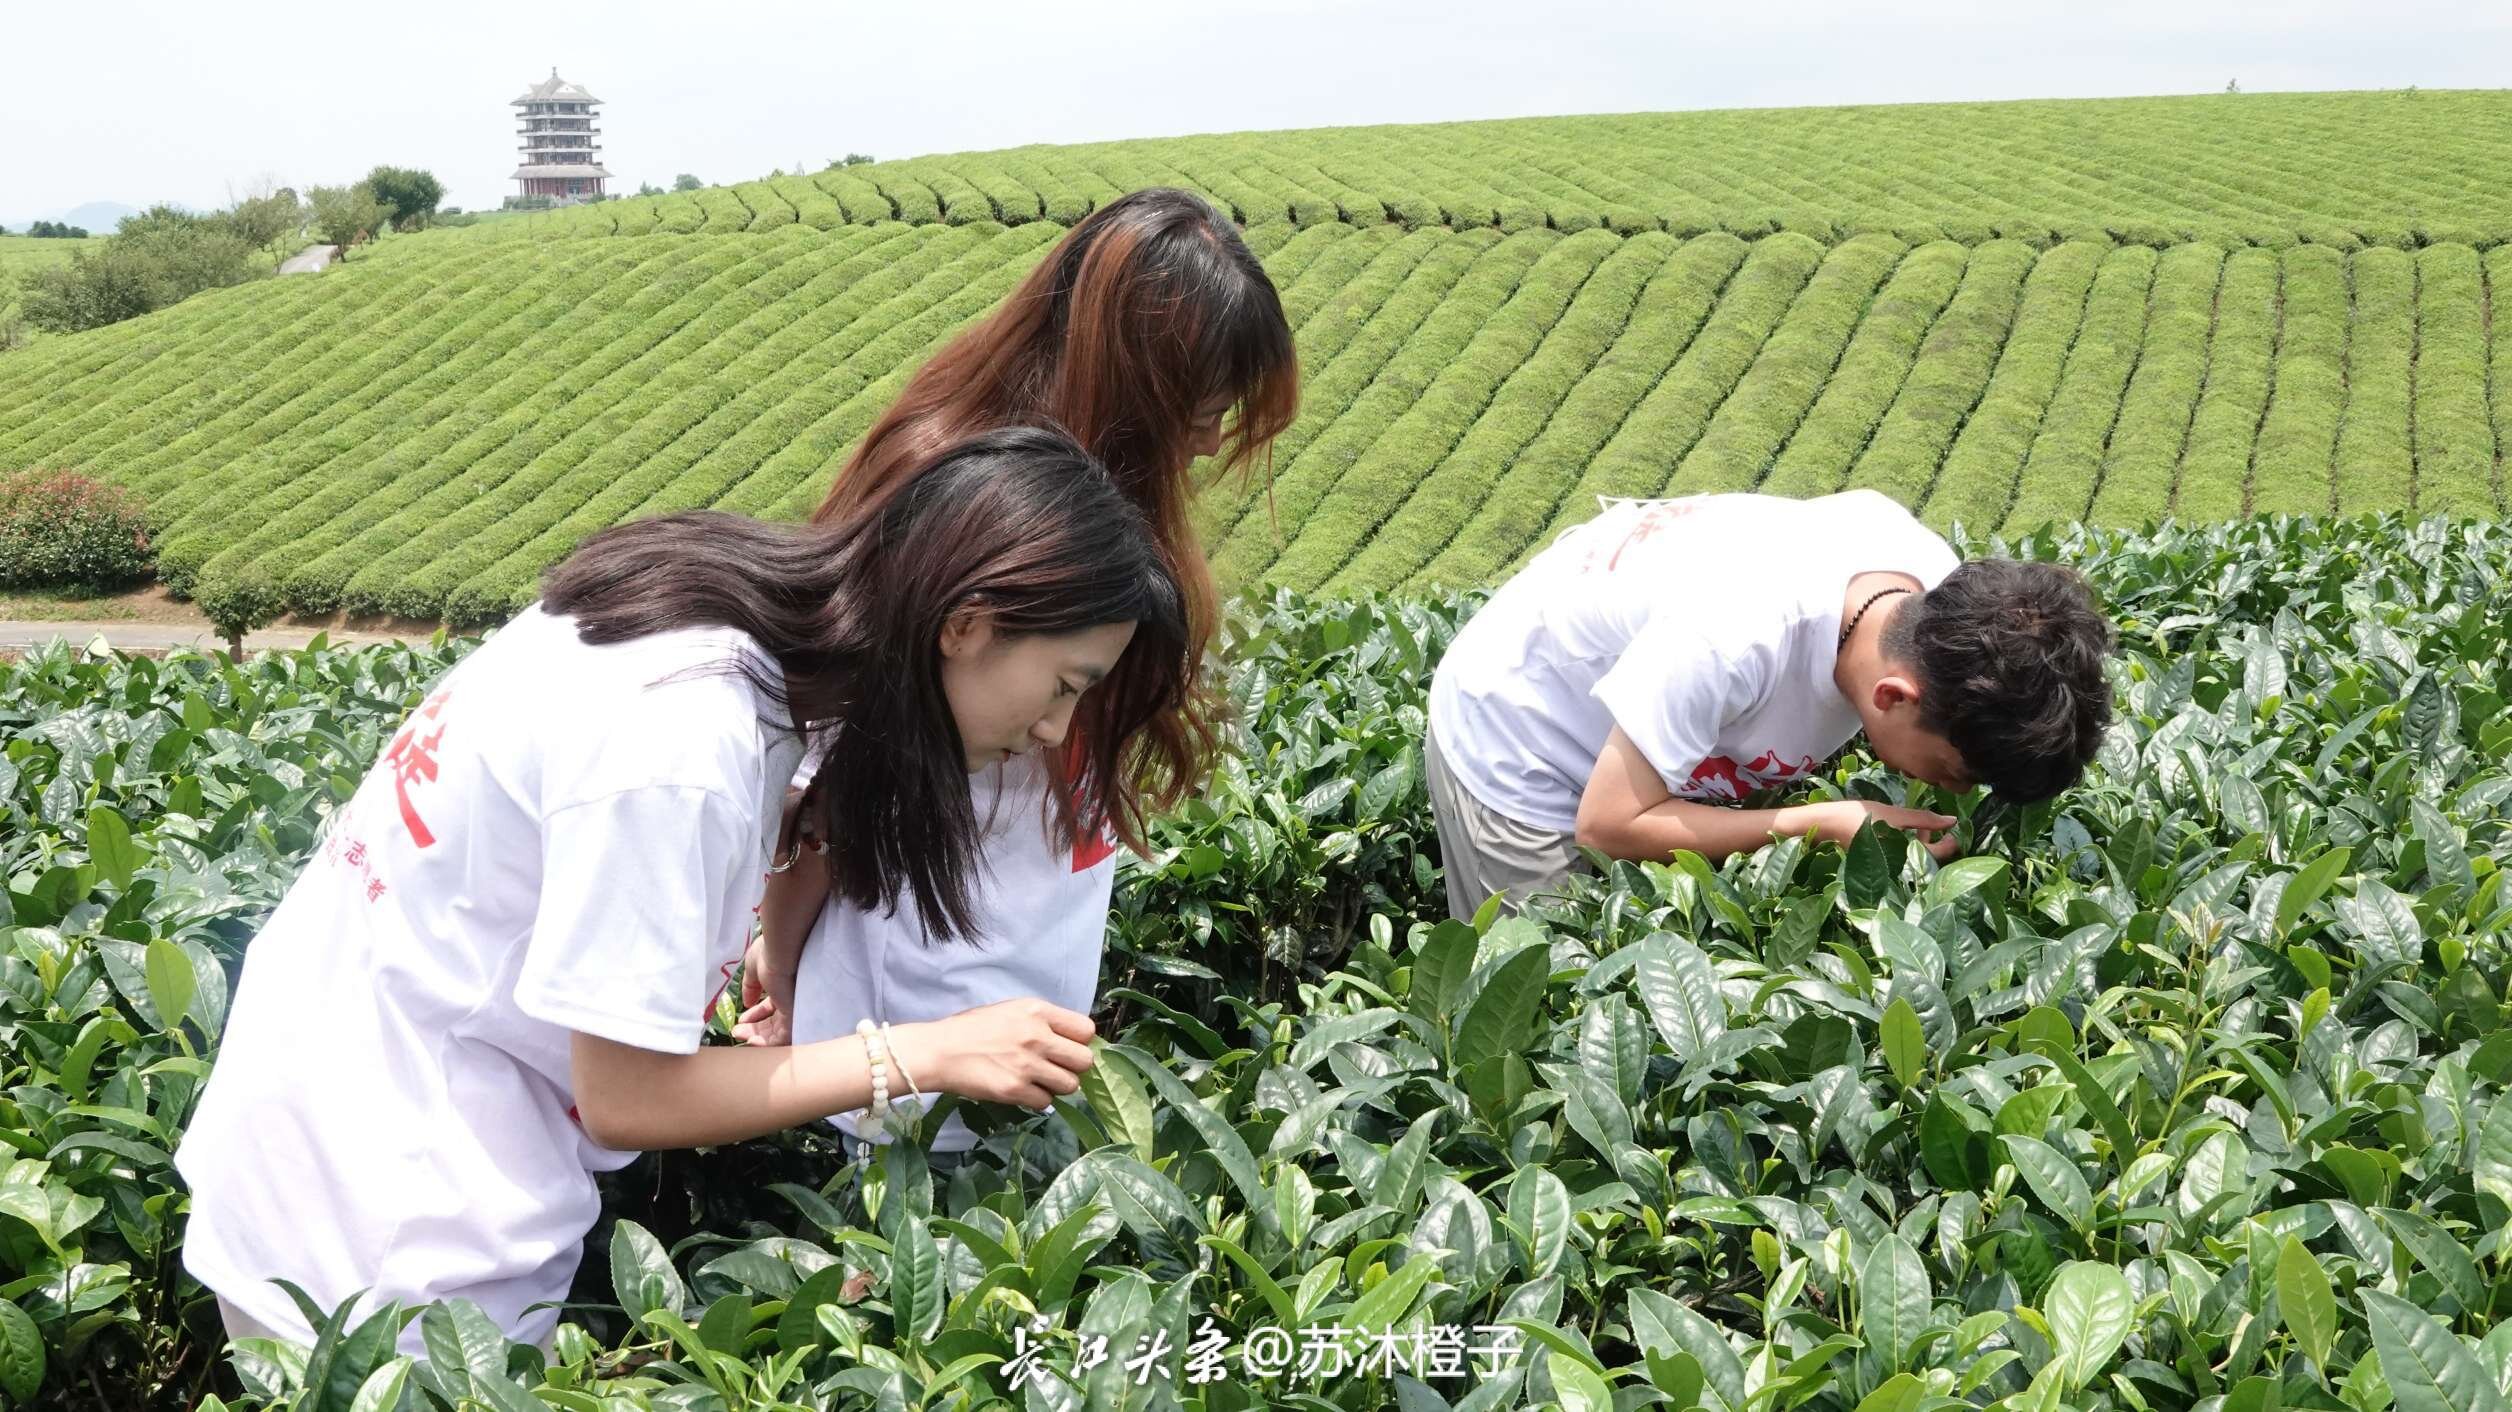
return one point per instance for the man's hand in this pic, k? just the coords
(1843, 817)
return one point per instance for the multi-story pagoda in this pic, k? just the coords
(561, 157)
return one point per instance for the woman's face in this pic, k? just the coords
(1203, 436)
(1012, 694)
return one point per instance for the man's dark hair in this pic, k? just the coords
(2009, 658)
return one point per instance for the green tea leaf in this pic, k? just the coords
(1893, 1301)
(110, 847)
(1905, 1043)
(2428, 1369)
(2308, 1301)
(171, 981)
(2053, 1177)
(1496, 1020)
(2090, 1310)
(2308, 886)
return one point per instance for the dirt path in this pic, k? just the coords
(149, 620)
(310, 260)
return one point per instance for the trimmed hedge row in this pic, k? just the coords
(2298, 438)
(2455, 438)
(2215, 470)
(2060, 472)
(1448, 319)
(1949, 377)
(1641, 456)
(1342, 346)
(658, 398)
(1791, 371)
(2348, 171)
(1671, 310)
(307, 501)
(1531, 400)
(2144, 455)
(2376, 466)
(1816, 457)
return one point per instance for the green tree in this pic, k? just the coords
(157, 258)
(686, 182)
(346, 215)
(647, 188)
(409, 195)
(267, 219)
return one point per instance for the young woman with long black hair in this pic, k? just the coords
(492, 981)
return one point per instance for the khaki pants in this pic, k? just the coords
(1484, 852)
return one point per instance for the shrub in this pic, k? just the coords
(157, 259)
(59, 528)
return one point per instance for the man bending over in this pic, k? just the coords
(1638, 679)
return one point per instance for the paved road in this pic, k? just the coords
(310, 260)
(158, 638)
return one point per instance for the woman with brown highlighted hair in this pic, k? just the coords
(1153, 337)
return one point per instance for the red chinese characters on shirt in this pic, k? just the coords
(1652, 522)
(1091, 846)
(1719, 777)
(353, 854)
(413, 758)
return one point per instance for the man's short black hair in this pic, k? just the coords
(2009, 657)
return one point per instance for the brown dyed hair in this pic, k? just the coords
(1149, 310)
(1020, 523)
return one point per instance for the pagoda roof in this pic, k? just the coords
(560, 169)
(555, 90)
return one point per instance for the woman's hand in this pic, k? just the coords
(1023, 1051)
(767, 998)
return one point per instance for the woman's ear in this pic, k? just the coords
(967, 630)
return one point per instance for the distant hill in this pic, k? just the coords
(96, 217)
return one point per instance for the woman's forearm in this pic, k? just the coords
(788, 911)
(642, 1100)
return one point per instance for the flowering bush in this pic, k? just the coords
(61, 528)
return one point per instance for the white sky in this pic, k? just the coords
(187, 100)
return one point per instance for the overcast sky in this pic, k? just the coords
(188, 100)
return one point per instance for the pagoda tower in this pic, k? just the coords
(561, 157)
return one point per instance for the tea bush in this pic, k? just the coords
(2183, 1092)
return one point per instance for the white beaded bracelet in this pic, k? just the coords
(915, 1091)
(877, 1125)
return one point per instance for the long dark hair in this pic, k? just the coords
(1149, 309)
(1020, 523)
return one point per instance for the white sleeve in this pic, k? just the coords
(1673, 689)
(639, 889)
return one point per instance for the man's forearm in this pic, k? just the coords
(1711, 830)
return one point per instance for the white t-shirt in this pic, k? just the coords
(1043, 909)
(558, 840)
(1706, 627)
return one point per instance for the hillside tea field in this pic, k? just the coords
(423, 431)
(2185, 1091)
(2005, 315)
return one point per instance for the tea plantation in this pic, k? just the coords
(2004, 315)
(2185, 1091)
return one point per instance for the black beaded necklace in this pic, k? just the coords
(1858, 616)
